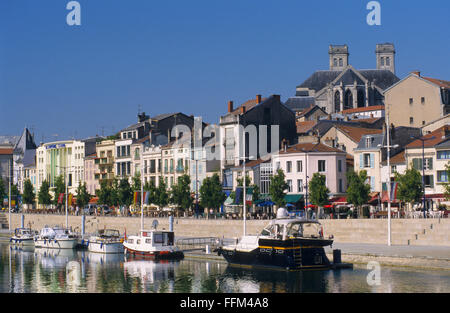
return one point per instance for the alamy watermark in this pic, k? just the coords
(74, 16)
(374, 16)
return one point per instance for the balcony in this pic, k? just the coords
(179, 169)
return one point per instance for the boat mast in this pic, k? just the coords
(142, 195)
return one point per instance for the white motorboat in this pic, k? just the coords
(22, 237)
(153, 244)
(55, 237)
(105, 241)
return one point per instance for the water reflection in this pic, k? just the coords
(53, 270)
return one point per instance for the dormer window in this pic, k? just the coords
(369, 141)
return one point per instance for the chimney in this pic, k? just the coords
(242, 109)
(276, 97)
(230, 106)
(258, 99)
(416, 73)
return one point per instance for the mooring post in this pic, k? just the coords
(22, 221)
(171, 223)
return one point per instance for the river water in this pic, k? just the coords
(69, 271)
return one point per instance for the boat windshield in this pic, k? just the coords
(299, 229)
(109, 233)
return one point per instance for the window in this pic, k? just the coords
(341, 63)
(388, 61)
(366, 160)
(443, 155)
(382, 61)
(417, 164)
(335, 63)
(340, 185)
(428, 180)
(369, 141)
(422, 100)
(321, 166)
(288, 166)
(442, 176)
(158, 238)
(299, 166)
(148, 240)
(289, 183)
(411, 120)
(299, 185)
(393, 168)
(411, 101)
(339, 165)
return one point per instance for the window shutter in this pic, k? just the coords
(432, 181)
(361, 161)
(372, 160)
(372, 183)
(430, 162)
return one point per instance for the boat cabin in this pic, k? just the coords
(154, 238)
(108, 233)
(292, 228)
(23, 232)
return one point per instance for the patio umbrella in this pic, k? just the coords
(290, 205)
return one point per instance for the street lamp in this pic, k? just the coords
(65, 183)
(423, 170)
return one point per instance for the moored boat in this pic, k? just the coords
(55, 238)
(153, 244)
(23, 237)
(106, 241)
(285, 243)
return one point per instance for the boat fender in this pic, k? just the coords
(87, 244)
(101, 245)
(82, 242)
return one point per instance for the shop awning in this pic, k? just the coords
(293, 198)
(338, 200)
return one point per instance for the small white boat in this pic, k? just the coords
(153, 244)
(56, 238)
(105, 241)
(22, 237)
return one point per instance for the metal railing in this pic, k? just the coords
(199, 243)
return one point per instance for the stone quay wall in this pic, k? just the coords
(404, 231)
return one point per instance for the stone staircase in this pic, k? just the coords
(429, 232)
(437, 233)
(3, 221)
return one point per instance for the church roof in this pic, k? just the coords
(319, 80)
(299, 103)
(25, 142)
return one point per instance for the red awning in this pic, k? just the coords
(312, 206)
(93, 200)
(339, 200)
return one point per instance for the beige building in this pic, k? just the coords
(416, 100)
(105, 161)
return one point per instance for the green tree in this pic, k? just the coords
(83, 197)
(44, 196)
(211, 193)
(181, 193)
(28, 192)
(277, 188)
(150, 187)
(162, 195)
(445, 185)
(409, 186)
(3, 193)
(136, 186)
(318, 191)
(59, 188)
(358, 190)
(104, 193)
(125, 193)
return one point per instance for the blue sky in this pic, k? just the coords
(189, 56)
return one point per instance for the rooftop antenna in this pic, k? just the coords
(139, 109)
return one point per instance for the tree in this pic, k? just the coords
(445, 185)
(104, 193)
(44, 196)
(150, 187)
(3, 193)
(181, 193)
(83, 196)
(124, 193)
(277, 188)
(162, 196)
(136, 182)
(318, 191)
(28, 192)
(59, 188)
(211, 193)
(409, 186)
(358, 190)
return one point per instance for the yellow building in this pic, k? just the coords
(416, 100)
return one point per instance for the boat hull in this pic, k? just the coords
(156, 255)
(109, 247)
(283, 255)
(56, 243)
(21, 241)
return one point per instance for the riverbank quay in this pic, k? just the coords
(360, 240)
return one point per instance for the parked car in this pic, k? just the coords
(89, 209)
(104, 209)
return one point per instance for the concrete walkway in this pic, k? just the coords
(429, 252)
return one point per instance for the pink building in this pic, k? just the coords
(301, 161)
(91, 173)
